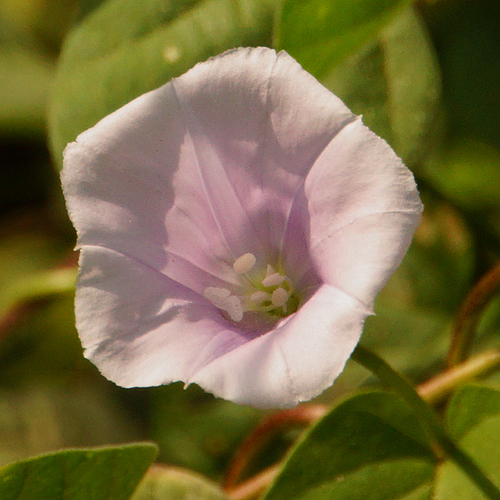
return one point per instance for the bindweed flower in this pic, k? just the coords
(235, 226)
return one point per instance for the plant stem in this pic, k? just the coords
(429, 420)
(438, 387)
(267, 428)
(252, 488)
(469, 315)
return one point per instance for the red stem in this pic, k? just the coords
(269, 427)
(469, 315)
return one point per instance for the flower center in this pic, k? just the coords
(272, 293)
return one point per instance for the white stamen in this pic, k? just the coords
(234, 308)
(222, 298)
(279, 297)
(273, 279)
(253, 298)
(259, 297)
(215, 292)
(244, 263)
(218, 296)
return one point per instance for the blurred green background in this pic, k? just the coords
(50, 397)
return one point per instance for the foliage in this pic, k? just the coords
(424, 77)
(99, 474)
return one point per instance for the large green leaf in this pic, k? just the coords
(369, 439)
(322, 33)
(91, 474)
(394, 82)
(474, 420)
(377, 57)
(470, 406)
(162, 483)
(124, 48)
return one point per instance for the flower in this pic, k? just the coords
(235, 226)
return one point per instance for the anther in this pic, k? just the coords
(273, 279)
(214, 293)
(234, 308)
(259, 297)
(244, 263)
(279, 297)
(222, 298)
(273, 295)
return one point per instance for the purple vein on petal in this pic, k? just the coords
(299, 190)
(288, 373)
(228, 212)
(262, 144)
(179, 272)
(208, 354)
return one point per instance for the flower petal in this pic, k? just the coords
(294, 362)
(216, 156)
(166, 333)
(244, 163)
(361, 257)
(262, 121)
(141, 328)
(125, 201)
(120, 182)
(358, 213)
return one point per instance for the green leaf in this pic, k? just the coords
(124, 48)
(91, 474)
(377, 57)
(162, 483)
(370, 438)
(394, 82)
(473, 418)
(322, 33)
(471, 405)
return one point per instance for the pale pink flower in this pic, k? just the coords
(235, 226)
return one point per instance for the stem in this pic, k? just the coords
(437, 388)
(252, 488)
(263, 433)
(469, 315)
(429, 420)
(27, 293)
